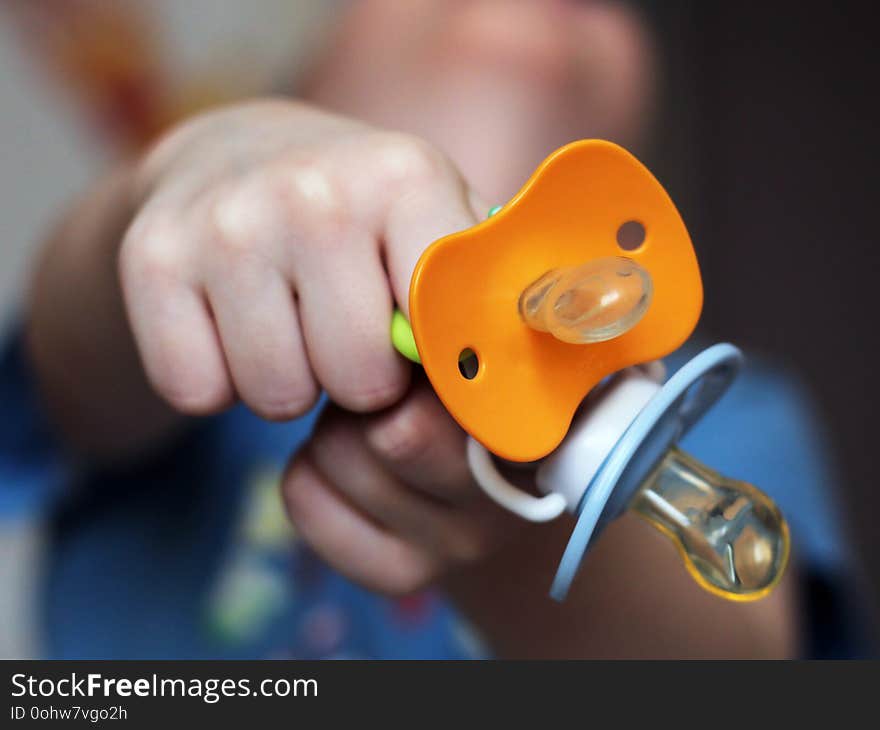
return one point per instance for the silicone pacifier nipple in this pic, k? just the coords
(732, 537)
(593, 302)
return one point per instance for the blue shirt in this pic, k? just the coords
(190, 555)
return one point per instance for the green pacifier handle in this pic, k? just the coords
(401, 331)
(402, 337)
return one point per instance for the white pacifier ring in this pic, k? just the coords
(563, 475)
(501, 491)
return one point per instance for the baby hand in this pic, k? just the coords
(388, 499)
(270, 245)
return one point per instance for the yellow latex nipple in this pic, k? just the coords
(593, 302)
(732, 537)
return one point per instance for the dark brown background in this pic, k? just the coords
(769, 144)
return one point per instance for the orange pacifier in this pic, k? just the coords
(568, 291)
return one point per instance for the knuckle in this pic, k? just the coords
(406, 573)
(229, 216)
(149, 248)
(403, 436)
(309, 196)
(408, 159)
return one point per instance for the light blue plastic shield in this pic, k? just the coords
(667, 417)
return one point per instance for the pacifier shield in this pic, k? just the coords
(523, 386)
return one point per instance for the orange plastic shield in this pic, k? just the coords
(465, 290)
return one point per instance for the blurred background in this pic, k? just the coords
(765, 139)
